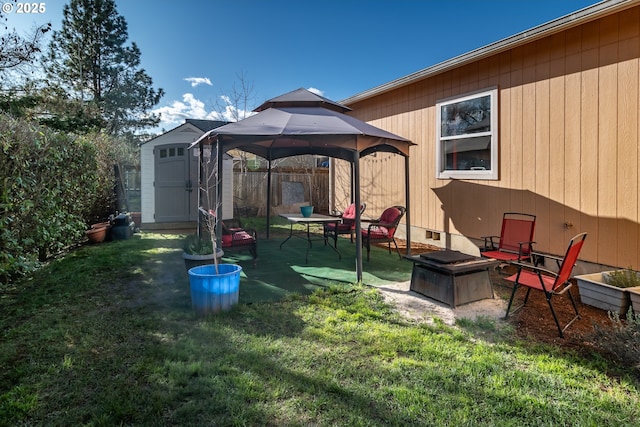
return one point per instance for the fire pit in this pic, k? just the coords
(452, 277)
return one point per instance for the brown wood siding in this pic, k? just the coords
(569, 126)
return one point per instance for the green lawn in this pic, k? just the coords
(107, 336)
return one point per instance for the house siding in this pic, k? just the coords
(568, 144)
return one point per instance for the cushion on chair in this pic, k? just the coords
(388, 217)
(376, 233)
(350, 212)
(237, 239)
(348, 221)
(243, 238)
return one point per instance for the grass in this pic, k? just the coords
(106, 336)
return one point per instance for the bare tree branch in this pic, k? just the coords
(19, 51)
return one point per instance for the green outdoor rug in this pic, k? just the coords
(283, 271)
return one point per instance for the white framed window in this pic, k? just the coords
(467, 136)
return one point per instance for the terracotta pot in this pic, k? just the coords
(97, 235)
(101, 224)
(136, 217)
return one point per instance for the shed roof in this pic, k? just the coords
(206, 125)
(202, 125)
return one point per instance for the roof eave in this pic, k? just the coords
(566, 22)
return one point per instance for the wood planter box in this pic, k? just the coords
(595, 292)
(634, 294)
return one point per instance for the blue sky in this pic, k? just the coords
(196, 49)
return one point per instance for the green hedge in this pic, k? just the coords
(52, 185)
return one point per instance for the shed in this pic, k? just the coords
(169, 176)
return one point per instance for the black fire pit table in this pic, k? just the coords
(452, 277)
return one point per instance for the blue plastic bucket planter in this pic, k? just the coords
(211, 292)
(306, 211)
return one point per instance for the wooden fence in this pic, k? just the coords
(287, 188)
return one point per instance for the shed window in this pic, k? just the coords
(172, 152)
(467, 136)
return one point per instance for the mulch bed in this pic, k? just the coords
(536, 321)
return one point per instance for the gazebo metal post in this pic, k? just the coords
(352, 184)
(407, 197)
(268, 198)
(356, 186)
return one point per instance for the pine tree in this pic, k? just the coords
(89, 61)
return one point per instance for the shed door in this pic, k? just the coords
(176, 183)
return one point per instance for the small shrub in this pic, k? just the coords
(626, 278)
(195, 245)
(622, 338)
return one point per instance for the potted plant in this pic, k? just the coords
(214, 286)
(608, 290)
(198, 251)
(629, 280)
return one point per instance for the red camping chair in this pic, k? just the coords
(550, 283)
(515, 241)
(383, 229)
(347, 225)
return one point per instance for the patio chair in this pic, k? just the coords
(383, 229)
(515, 242)
(537, 278)
(236, 238)
(347, 225)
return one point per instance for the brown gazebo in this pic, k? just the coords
(301, 122)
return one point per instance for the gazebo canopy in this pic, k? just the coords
(302, 98)
(301, 122)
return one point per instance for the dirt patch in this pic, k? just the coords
(419, 308)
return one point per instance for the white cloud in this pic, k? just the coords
(189, 108)
(231, 112)
(196, 81)
(316, 91)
